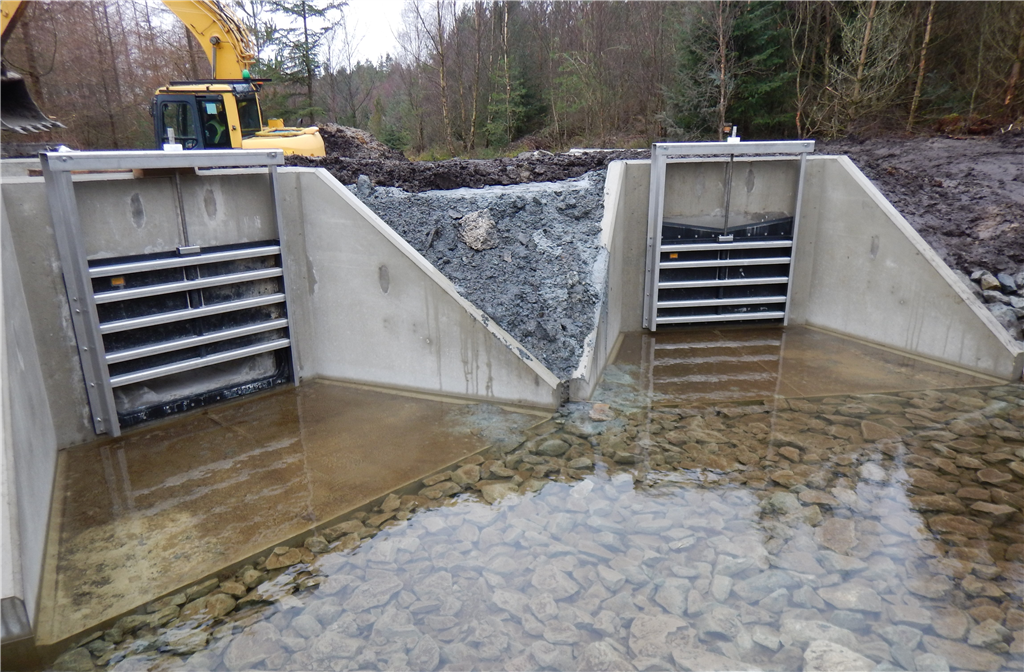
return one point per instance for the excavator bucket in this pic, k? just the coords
(18, 112)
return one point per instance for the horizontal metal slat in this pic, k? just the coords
(709, 247)
(178, 262)
(702, 303)
(692, 319)
(195, 341)
(736, 282)
(187, 285)
(719, 263)
(197, 363)
(189, 314)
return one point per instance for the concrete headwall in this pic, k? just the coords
(859, 268)
(862, 270)
(382, 314)
(29, 448)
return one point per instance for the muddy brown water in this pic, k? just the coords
(860, 510)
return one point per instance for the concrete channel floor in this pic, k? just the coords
(167, 504)
(704, 366)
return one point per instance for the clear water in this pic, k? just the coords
(845, 532)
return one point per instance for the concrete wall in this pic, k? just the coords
(34, 246)
(382, 314)
(29, 448)
(624, 236)
(862, 270)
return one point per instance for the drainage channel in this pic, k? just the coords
(869, 516)
(768, 497)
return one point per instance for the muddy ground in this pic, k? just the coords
(965, 196)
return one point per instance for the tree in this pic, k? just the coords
(301, 45)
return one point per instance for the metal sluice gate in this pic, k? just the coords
(719, 267)
(142, 320)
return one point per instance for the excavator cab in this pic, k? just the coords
(195, 121)
(224, 114)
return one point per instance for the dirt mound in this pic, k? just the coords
(965, 196)
(355, 143)
(417, 176)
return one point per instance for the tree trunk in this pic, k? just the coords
(477, 9)
(864, 51)
(445, 116)
(307, 58)
(508, 78)
(193, 60)
(723, 55)
(1011, 86)
(920, 68)
(32, 71)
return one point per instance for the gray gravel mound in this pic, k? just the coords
(538, 270)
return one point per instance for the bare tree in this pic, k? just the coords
(920, 69)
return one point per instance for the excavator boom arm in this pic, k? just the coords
(226, 41)
(10, 12)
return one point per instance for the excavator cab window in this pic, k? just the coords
(179, 124)
(215, 122)
(249, 115)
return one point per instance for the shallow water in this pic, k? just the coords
(164, 505)
(845, 532)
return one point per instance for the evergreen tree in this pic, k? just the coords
(763, 103)
(301, 44)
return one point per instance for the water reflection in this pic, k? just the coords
(833, 533)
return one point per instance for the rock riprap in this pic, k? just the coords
(792, 540)
(528, 255)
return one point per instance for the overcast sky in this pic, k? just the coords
(374, 23)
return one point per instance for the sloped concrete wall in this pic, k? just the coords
(33, 244)
(29, 449)
(624, 236)
(861, 270)
(382, 314)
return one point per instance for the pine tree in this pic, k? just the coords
(301, 44)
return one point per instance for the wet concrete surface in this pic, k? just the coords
(164, 505)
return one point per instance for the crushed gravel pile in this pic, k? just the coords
(527, 255)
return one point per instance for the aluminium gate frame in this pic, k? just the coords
(57, 170)
(664, 153)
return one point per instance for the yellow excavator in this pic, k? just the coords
(222, 112)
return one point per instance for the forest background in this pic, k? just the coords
(481, 79)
